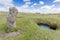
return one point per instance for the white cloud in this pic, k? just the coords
(34, 4)
(27, 3)
(27, 10)
(24, 6)
(49, 9)
(41, 2)
(56, 10)
(3, 9)
(44, 9)
(6, 4)
(26, 0)
(56, 0)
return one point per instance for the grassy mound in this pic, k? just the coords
(28, 23)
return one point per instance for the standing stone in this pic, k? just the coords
(11, 17)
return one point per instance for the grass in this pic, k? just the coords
(28, 23)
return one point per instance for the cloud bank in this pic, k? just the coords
(25, 8)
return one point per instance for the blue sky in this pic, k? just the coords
(33, 6)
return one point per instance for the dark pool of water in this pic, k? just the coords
(47, 27)
(44, 26)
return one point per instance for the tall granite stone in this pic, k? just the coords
(11, 17)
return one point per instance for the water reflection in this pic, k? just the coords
(44, 26)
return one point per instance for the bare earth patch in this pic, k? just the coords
(12, 34)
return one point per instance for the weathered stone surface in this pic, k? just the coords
(11, 17)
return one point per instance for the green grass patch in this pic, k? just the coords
(28, 23)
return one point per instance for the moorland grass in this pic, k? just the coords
(28, 23)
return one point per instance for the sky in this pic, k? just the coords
(31, 6)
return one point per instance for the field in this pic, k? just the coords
(29, 24)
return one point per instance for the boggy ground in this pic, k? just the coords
(29, 23)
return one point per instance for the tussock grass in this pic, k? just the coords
(28, 23)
